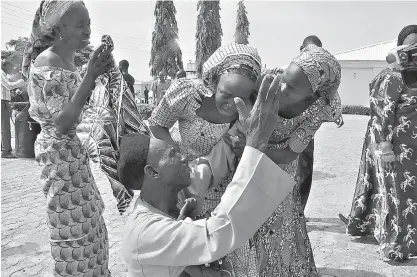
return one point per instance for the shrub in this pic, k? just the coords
(358, 110)
(145, 110)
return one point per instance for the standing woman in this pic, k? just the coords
(57, 94)
(385, 200)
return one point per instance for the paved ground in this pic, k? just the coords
(25, 248)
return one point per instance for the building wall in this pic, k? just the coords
(356, 76)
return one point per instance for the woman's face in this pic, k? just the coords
(410, 39)
(296, 88)
(232, 85)
(74, 27)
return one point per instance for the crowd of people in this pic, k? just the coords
(224, 164)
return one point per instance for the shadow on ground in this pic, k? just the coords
(410, 262)
(335, 272)
(366, 240)
(334, 225)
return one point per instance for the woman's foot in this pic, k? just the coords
(343, 219)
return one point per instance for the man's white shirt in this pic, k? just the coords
(156, 245)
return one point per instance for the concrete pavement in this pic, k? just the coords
(24, 234)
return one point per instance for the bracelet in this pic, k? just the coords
(277, 146)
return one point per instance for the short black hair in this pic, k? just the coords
(312, 40)
(132, 160)
(124, 63)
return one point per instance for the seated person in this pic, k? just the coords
(155, 243)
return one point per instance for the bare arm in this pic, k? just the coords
(162, 133)
(65, 119)
(98, 64)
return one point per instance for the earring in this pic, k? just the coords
(59, 36)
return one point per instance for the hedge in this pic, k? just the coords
(145, 110)
(358, 110)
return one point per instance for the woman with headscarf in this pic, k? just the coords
(309, 97)
(195, 114)
(385, 200)
(58, 94)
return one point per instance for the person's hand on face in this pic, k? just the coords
(260, 122)
(100, 62)
(236, 137)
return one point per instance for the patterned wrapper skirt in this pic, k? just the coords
(78, 235)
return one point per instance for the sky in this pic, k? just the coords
(277, 27)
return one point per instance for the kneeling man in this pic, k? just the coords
(155, 242)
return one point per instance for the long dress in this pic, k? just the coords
(78, 234)
(385, 203)
(281, 247)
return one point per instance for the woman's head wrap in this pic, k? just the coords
(324, 74)
(405, 32)
(233, 58)
(47, 17)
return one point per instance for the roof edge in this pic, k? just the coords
(364, 47)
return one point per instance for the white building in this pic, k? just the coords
(359, 67)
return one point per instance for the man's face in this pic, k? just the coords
(169, 164)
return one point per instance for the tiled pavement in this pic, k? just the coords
(24, 237)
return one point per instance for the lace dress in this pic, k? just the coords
(78, 234)
(281, 246)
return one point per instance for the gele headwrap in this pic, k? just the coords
(232, 58)
(46, 18)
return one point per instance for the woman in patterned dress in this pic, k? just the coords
(78, 235)
(195, 114)
(309, 97)
(385, 200)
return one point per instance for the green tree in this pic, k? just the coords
(242, 25)
(209, 32)
(14, 51)
(166, 54)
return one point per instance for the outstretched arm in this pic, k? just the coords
(258, 187)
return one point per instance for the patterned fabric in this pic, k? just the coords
(281, 246)
(296, 133)
(74, 206)
(385, 203)
(324, 73)
(46, 17)
(238, 58)
(111, 113)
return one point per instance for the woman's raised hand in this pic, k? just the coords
(100, 62)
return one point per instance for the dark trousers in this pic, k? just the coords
(6, 136)
(146, 98)
(305, 172)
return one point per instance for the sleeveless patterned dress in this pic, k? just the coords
(78, 234)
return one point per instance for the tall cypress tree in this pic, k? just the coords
(209, 32)
(242, 25)
(166, 54)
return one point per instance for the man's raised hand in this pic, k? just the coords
(259, 123)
